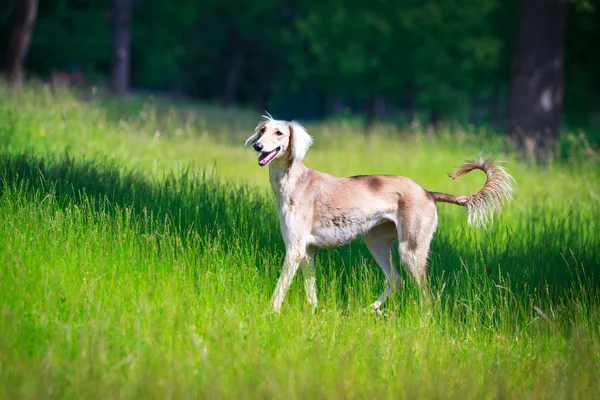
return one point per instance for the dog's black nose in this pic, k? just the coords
(258, 146)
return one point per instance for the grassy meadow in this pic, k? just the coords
(139, 248)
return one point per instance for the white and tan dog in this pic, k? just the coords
(317, 210)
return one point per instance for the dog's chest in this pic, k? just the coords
(292, 224)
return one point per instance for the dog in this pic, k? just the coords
(318, 210)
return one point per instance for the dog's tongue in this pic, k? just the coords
(265, 158)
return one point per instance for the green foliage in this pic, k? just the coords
(141, 246)
(583, 85)
(71, 34)
(455, 49)
(299, 57)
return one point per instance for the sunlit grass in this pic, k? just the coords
(137, 264)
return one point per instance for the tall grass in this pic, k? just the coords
(137, 264)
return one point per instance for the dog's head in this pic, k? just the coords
(276, 140)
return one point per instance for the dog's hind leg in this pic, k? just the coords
(293, 258)
(310, 285)
(380, 240)
(414, 237)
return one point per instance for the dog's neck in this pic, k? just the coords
(283, 175)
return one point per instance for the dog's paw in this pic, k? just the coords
(373, 310)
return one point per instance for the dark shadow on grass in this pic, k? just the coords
(190, 201)
(214, 209)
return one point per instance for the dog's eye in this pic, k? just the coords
(262, 130)
(278, 133)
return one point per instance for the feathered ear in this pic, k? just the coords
(251, 139)
(300, 140)
(256, 135)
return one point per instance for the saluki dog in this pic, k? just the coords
(317, 210)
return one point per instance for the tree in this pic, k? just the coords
(354, 50)
(582, 66)
(537, 78)
(121, 57)
(432, 55)
(455, 53)
(26, 15)
(71, 35)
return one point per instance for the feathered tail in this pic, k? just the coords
(482, 205)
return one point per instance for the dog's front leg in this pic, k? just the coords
(293, 258)
(310, 285)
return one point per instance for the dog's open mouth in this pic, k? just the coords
(267, 156)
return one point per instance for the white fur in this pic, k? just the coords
(252, 139)
(301, 140)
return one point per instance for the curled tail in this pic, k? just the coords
(482, 205)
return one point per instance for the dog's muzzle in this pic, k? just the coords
(267, 156)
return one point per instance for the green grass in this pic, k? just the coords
(141, 265)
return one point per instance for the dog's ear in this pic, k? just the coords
(252, 139)
(300, 140)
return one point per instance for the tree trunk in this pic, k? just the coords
(264, 95)
(434, 118)
(495, 118)
(26, 15)
(475, 114)
(265, 86)
(537, 78)
(236, 60)
(121, 37)
(410, 111)
(380, 107)
(375, 110)
(371, 114)
(231, 80)
(337, 106)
